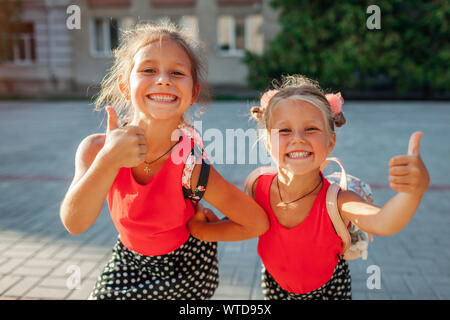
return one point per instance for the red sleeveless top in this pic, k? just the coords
(151, 219)
(301, 259)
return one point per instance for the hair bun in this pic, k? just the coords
(339, 119)
(256, 113)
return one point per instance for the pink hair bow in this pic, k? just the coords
(265, 99)
(336, 101)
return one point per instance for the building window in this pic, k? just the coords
(254, 39)
(190, 25)
(19, 47)
(105, 34)
(235, 34)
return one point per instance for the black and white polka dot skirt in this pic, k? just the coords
(339, 287)
(188, 273)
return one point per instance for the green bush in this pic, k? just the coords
(329, 41)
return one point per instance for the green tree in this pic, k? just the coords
(330, 42)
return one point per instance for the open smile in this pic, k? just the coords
(298, 154)
(162, 97)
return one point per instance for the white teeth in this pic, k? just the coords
(298, 154)
(162, 98)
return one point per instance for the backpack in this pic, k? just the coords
(355, 242)
(197, 155)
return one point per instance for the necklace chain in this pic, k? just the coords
(147, 170)
(303, 196)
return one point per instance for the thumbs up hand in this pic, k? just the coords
(124, 146)
(408, 173)
(112, 123)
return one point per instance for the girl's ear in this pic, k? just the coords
(195, 92)
(123, 88)
(332, 143)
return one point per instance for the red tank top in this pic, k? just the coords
(151, 219)
(301, 259)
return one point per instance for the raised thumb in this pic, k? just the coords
(112, 123)
(414, 142)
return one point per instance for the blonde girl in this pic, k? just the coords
(301, 250)
(151, 177)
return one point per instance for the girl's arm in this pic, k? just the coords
(87, 193)
(246, 218)
(409, 177)
(97, 162)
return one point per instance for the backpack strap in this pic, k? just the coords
(343, 180)
(196, 154)
(254, 175)
(335, 216)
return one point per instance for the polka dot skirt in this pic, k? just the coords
(337, 288)
(190, 272)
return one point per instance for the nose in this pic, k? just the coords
(163, 79)
(298, 136)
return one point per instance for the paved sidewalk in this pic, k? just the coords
(40, 260)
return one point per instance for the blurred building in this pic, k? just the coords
(50, 56)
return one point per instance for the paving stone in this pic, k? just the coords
(359, 295)
(10, 265)
(22, 286)
(54, 282)
(83, 293)
(32, 271)
(18, 253)
(48, 251)
(232, 292)
(67, 252)
(419, 286)
(7, 282)
(442, 291)
(48, 293)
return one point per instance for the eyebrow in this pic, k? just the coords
(287, 122)
(179, 63)
(281, 123)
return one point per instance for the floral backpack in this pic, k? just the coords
(355, 242)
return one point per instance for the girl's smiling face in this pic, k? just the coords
(299, 139)
(161, 82)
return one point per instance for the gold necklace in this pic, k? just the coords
(147, 169)
(285, 204)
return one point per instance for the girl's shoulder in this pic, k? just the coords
(86, 153)
(90, 146)
(93, 142)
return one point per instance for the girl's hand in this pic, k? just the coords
(408, 173)
(202, 216)
(126, 146)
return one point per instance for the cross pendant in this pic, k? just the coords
(147, 170)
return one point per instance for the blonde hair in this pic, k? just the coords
(302, 88)
(132, 41)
